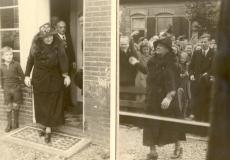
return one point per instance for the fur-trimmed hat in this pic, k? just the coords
(46, 30)
(167, 42)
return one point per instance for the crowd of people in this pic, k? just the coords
(194, 60)
(177, 75)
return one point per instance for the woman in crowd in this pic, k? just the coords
(50, 74)
(162, 77)
(140, 81)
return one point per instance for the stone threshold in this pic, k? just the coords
(59, 147)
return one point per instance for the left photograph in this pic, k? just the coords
(50, 51)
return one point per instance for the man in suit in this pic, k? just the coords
(127, 49)
(66, 38)
(201, 77)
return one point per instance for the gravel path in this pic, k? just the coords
(131, 148)
(10, 151)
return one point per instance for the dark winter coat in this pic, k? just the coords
(68, 49)
(163, 76)
(201, 64)
(127, 71)
(49, 62)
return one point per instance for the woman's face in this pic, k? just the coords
(145, 50)
(161, 50)
(183, 57)
(48, 40)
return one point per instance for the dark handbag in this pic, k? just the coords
(78, 79)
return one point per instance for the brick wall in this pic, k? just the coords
(97, 55)
(26, 110)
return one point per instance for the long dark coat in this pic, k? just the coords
(49, 62)
(71, 59)
(162, 78)
(201, 87)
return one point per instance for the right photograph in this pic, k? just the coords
(167, 53)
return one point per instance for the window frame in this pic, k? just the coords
(138, 16)
(11, 29)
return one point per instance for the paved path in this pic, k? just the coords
(131, 148)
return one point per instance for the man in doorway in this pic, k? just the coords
(53, 21)
(66, 38)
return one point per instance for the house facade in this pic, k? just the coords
(20, 21)
(152, 17)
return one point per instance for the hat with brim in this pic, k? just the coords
(46, 30)
(167, 42)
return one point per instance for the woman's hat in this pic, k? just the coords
(46, 30)
(167, 42)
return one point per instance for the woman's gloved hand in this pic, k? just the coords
(166, 102)
(27, 81)
(133, 60)
(67, 80)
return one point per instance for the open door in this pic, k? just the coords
(71, 11)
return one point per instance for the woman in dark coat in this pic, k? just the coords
(50, 73)
(162, 100)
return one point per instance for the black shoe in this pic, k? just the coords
(177, 153)
(152, 156)
(15, 124)
(47, 137)
(9, 122)
(42, 133)
(8, 128)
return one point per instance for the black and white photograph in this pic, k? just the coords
(167, 71)
(114, 79)
(47, 47)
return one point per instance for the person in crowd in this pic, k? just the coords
(183, 91)
(151, 42)
(201, 77)
(66, 39)
(49, 61)
(196, 32)
(213, 45)
(162, 84)
(140, 81)
(12, 78)
(189, 50)
(127, 71)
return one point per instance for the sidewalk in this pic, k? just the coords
(11, 151)
(131, 148)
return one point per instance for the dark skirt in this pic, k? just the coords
(158, 132)
(49, 108)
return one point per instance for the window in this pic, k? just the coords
(139, 24)
(9, 26)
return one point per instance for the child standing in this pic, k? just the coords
(12, 77)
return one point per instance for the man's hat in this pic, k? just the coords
(167, 42)
(46, 30)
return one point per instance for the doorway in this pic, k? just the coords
(71, 11)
